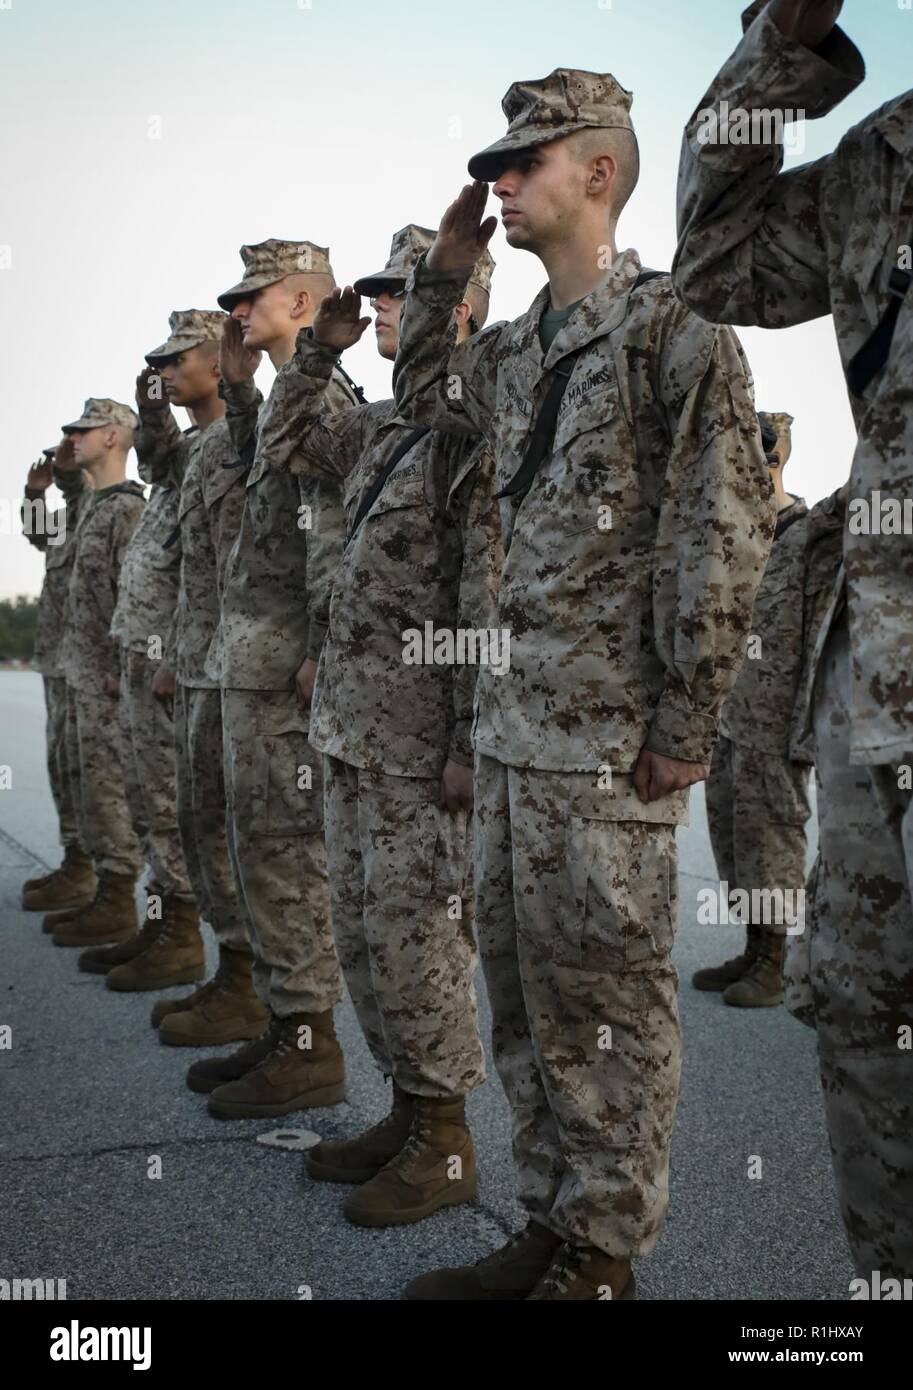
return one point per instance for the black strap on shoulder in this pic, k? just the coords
(173, 535)
(786, 522)
(353, 386)
(871, 357)
(542, 437)
(377, 487)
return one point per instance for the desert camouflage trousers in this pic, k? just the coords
(96, 762)
(147, 731)
(849, 975)
(274, 783)
(576, 898)
(62, 790)
(757, 807)
(402, 920)
(201, 812)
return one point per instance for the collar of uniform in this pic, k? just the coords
(896, 124)
(600, 312)
(129, 485)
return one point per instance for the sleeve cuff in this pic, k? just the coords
(460, 750)
(317, 632)
(679, 732)
(239, 396)
(308, 352)
(446, 285)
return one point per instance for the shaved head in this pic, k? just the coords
(621, 146)
(316, 283)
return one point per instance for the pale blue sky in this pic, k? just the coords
(338, 123)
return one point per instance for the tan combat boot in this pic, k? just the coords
(175, 957)
(111, 916)
(583, 1274)
(304, 1069)
(761, 987)
(71, 886)
(100, 959)
(717, 977)
(435, 1168)
(225, 1010)
(204, 1076)
(510, 1273)
(361, 1158)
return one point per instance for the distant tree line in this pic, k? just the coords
(18, 621)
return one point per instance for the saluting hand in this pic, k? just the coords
(237, 363)
(41, 475)
(150, 391)
(656, 775)
(462, 235)
(338, 322)
(809, 22)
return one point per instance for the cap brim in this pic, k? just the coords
(370, 285)
(489, 164)
(244, 289)
(83, 424)
(172, 348)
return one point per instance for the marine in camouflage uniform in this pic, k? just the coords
(762, 246)
(72, 885)
(147, 595)
(274, 777)
(757, 795)
(397, 745)
(103, 436)
(226, 1009)
(631, 565)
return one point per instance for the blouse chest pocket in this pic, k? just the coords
(404, 489)
(161, 536)
(273, 499)
(587, 478)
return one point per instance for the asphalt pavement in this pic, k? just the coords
(89, 1097)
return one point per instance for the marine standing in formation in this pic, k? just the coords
(72, 885)
(635, 524)
(762, 246)
(421, 545)
(757, 794)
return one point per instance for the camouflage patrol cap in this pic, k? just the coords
(188, 328)
(270, 261)
(778, 420)
(407, 245)
(540, 111)
(100, 410)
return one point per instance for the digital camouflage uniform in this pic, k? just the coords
(274, 776)
(146, 600)
(89, 653)
(762, 246)
(201, 802)
(757, 796)
(56, 539)
(399, 865)
(626, 626)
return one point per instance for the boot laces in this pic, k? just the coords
(564, 1268)
(419, 1135)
